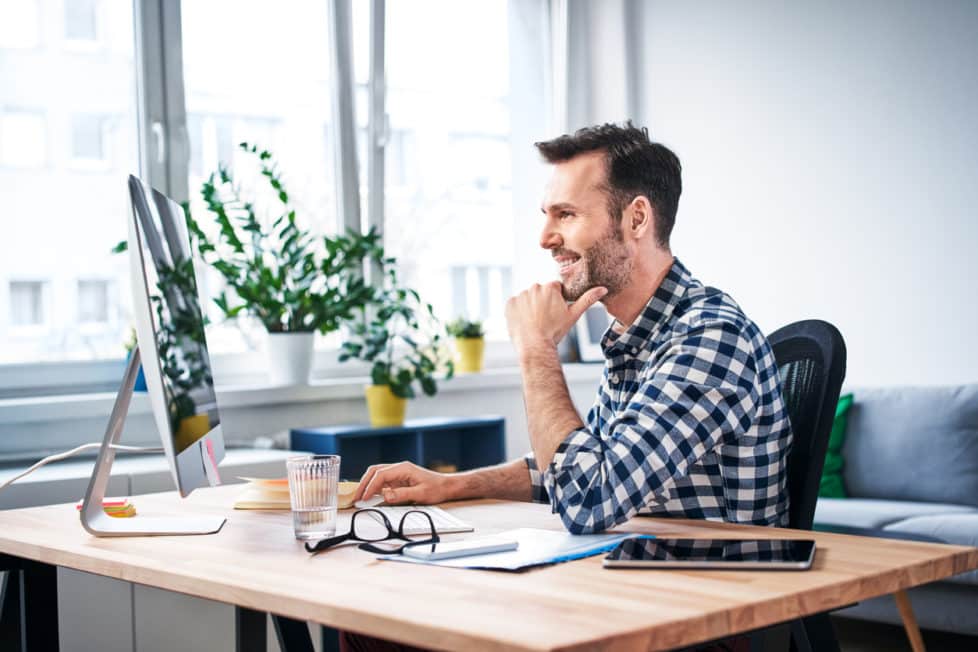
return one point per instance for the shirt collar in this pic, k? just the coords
(655, 314)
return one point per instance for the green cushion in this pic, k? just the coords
(831, 485)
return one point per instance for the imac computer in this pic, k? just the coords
(179, 380)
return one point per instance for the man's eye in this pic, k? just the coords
(565, 214)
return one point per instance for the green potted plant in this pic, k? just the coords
(400, 337)
(277, 271)
(470, 344)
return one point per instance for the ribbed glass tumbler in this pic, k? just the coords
(313, 481)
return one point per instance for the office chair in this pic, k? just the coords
(811, 359)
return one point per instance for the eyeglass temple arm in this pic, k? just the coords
(322, 544)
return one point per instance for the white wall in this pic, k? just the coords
(830, 164)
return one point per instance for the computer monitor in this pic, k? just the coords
(179, 381)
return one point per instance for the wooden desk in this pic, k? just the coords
(255, 563)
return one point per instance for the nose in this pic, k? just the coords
(549, 238)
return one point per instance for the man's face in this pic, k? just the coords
(585, 241)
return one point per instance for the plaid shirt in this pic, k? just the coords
(689, 420)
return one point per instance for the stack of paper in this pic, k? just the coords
(273, 493)
(264, 493)
(115, 507)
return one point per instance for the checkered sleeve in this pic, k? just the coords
(704, 391)
(536, 479)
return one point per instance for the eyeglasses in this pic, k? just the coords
(367, 533)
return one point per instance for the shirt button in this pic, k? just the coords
(614, 379)
(634, 350)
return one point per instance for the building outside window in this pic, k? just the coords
(93, 302)
(62, 215)
(81, 20)
(27, 303)
(88, 137)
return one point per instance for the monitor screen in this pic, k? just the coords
(170, 332)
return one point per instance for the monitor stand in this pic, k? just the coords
(93, 517)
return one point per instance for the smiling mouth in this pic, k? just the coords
(565, 263)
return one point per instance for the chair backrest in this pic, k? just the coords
(811, 358)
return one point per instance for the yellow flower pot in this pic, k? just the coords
(384, 407)
(470, 351)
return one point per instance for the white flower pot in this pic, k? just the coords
(290, 358)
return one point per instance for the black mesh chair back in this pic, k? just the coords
(811, 358)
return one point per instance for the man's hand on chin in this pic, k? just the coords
(539, 317)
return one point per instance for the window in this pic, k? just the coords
(23, 141)
(93, 302)
(479, 290)
(80, 20)
(61, 222)
(88, 138)
(276, 96)
(26, 303)
(69, 136)
(448, 196)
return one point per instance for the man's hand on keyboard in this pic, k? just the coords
(405, 482)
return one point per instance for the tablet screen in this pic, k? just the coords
(727, 552)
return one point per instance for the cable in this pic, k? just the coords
(60, 456)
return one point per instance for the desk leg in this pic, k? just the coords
(293, 635)
(39, 607)
(10, 610)
(250, 633)
(820, 634)
(909, 621)
(35, 586)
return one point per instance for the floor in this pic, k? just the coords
(863, 636)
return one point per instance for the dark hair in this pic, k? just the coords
(635, 166)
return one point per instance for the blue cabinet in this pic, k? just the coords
(439, 442)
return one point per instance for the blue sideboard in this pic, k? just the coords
(466, 443)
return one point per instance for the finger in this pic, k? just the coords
(585, 301)
(376, 483)
(365, 480)
(403, 495)
(389, 474)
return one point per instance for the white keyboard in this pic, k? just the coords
(445, 523)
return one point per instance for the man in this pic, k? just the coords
(689, 420)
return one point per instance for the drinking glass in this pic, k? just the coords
(313, 483)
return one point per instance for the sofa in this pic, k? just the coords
(910, 469)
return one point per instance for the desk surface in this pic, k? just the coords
(255, 562)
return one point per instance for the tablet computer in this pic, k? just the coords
(757, 554)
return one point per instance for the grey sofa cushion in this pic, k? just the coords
(873, 513)
(959, 529)
(913, 443)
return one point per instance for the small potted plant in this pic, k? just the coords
(277, 271)
(399, 335)
(470, 344)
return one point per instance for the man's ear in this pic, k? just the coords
(639, 217)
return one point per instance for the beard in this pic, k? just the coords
(606, 264)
